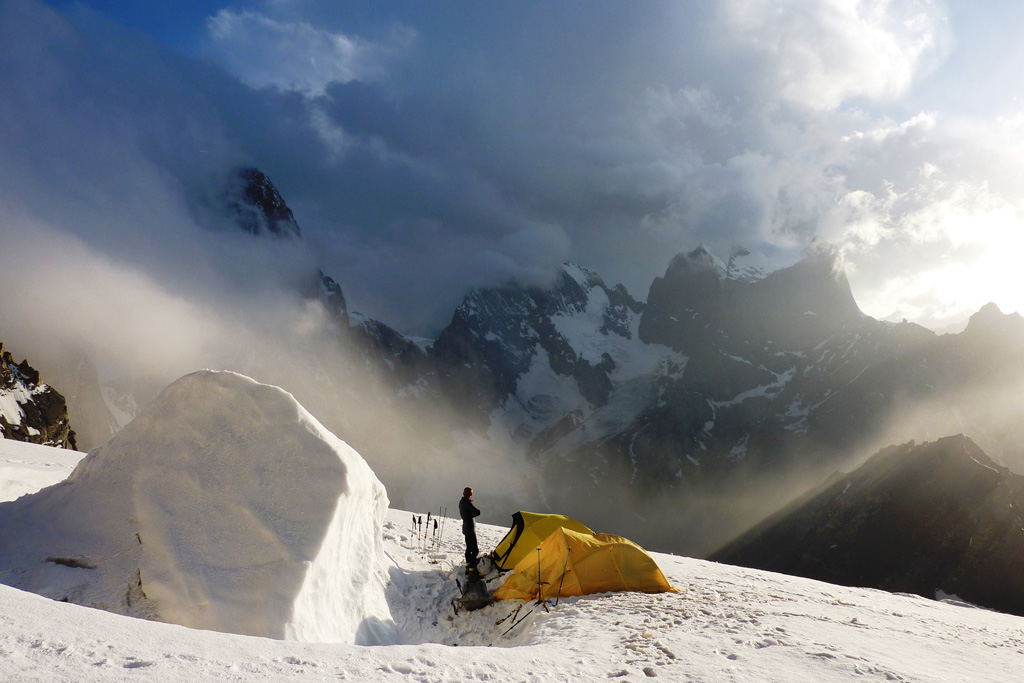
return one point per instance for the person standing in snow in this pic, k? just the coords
(468, 511)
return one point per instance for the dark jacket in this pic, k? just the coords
(468, 511)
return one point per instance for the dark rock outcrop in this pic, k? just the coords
(31, 411)
(934, 519)
(259, 208)
(697, 304)
(332, 298)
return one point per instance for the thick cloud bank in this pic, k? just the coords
(426, 149)
(224, 506)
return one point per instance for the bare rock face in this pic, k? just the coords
(31, 411)
(260, 209)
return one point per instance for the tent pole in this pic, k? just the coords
(562, 577)
(540, 593)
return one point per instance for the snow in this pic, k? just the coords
(726, 624)
(122, 406)
(13, 397)
(26, 468)
(542, 395)
(988, 467)
(10, 403)
(633, 358)
(541, 392)
(761, 391)
(223, 506)
(579, 274)
(739, 451)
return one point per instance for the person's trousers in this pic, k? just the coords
(471, 548)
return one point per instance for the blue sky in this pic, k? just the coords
(431, 147)
(179, 25)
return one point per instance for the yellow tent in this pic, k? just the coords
(570, 563)
(528, 530)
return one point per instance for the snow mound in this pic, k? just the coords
(224, 506)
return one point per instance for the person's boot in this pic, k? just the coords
(471, 570)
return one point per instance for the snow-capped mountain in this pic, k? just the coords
(686, 416)
(30, 410)
(933, 519)
(741, 379)
(539, 359)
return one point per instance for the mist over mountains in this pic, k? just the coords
(678, 419)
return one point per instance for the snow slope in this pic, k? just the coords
(223, 506)
(26, 468)
(596, 331)
(727, 624)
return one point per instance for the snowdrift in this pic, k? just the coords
(224, 506)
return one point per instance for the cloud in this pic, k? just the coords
(427, 149)
(824, 53)
(264, 52)
(108, 173)
(470, 146)
(81, 299)
(936, 233)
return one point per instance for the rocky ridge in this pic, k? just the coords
(936, 519)
(31, 411)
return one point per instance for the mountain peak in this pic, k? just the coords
(699, 299)
(698, 260)
(990, 319)
(584, 277)
(260, 209)
(816, 285)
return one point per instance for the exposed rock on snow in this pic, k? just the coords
(224, 506)
(30, 410)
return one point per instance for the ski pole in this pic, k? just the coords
(521, 619)
(443, 519)
(437, 537)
